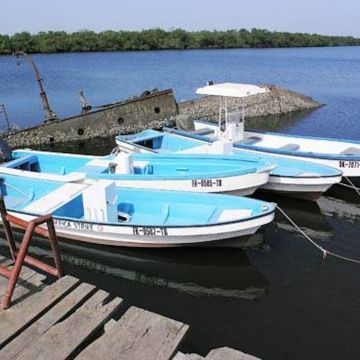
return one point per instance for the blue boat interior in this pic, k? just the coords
(135, 207)
(177, 140)
(144, 166)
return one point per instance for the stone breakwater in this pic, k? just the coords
(277, 101)
(153, 110)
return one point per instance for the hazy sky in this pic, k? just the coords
(332, 17)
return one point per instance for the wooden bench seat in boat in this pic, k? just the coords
(55, 199)
(351, 151)
(289, 147)
(23, 163)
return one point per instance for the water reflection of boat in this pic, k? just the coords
(307, 215)
(340, 208)
(196, 271)
(344, 192)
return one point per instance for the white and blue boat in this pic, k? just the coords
(304, 179)
(290, 177)
(340, 154)
(100, 212)
(194, 173)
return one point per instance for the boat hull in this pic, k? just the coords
(224, 180)
(153, 237)
(308, 188)
(352, 173)
(301, 188)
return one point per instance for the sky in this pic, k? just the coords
(330, 17)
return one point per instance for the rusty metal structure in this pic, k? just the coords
(49, 114)
(4, 113)
(20, 256)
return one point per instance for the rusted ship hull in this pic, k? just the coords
(151, 110)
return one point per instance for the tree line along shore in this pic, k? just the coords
(158, 39)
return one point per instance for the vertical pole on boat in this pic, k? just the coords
(7, 228)
(49, 114)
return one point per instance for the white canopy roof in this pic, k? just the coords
(231, 90)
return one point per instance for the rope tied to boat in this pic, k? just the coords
(324, 251)
(351, 186)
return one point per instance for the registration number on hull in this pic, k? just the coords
(149, 231)
(208, 183)
(351, 164)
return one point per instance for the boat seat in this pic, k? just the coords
(12, 202)
(248, 141)
(234, 214)
(351, 151)
(289, 147)
(54, 199)
(28, 160)
(204, 131)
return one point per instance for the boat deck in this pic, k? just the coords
(73, 320)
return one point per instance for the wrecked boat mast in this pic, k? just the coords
(48, 113)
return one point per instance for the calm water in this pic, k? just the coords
(277, 300)
(330, 75)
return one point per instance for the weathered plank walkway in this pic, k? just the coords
(73, 320)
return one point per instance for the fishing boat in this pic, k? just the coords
(194, 173)
(102, 213)
(290, 177)
(340, 154)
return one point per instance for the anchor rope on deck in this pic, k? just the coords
(324, 251)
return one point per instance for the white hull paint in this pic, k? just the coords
(143, 236)
(348, 172)
(240, 185)
(325, 147)
(294, 186)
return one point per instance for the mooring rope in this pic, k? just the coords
(352, 185)
(307, 237)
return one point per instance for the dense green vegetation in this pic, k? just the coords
(158, 39)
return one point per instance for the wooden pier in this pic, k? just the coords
(73, 320)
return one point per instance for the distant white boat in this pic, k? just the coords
(343, 155)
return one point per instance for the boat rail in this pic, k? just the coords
(19, 256)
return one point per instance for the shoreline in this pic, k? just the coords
(185, 50)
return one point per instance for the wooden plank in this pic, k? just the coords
(139, 334)
(229, 354)
(64, 338)
(13, 320)
(37, 329)
(192, 356)
(28, 283)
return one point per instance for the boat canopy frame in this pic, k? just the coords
(232, 90)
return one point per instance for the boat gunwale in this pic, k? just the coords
(265, 213)
(201, 139)
(252, 168)
(298, 153)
